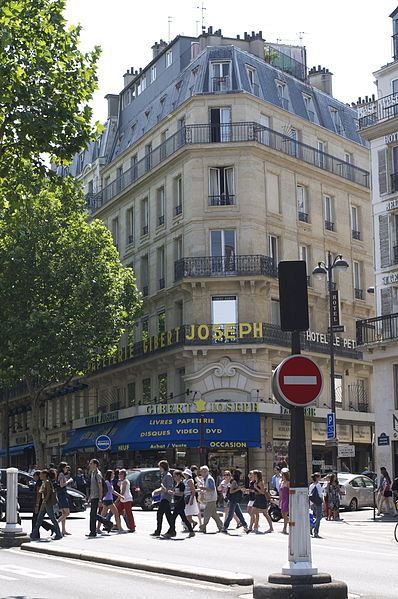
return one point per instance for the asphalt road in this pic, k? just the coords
(29, 576)
(356, 550)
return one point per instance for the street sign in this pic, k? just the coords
(103, 442)
(383, 439)
(297, 381)
(345, 451)
(337, 328)
(331, 425)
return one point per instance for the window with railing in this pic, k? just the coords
(160, 201)
(357, 275)
(177, 193)
(328, 209)
(221, 186)
(355, 223)
(302, 203)
(145, 216)
(130, 225)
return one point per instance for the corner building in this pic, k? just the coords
(218, 160)
(378, 337)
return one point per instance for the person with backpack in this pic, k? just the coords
(235, 495)
(48, 501)
(98, 490)
(315, 495)
(108, 501)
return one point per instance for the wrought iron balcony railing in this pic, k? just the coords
(161, 220)
(225, 199)
(228, 133)
(178, 209)
(130, 239)
(378, 329)
(356, 234)
(225, 266)
(329, 225)
(303, 216)
(221, 84)
(358, 293)
(374, 112)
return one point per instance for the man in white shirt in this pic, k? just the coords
(208, 486)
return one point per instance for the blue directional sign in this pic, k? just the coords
(103, 443)
(331, 424)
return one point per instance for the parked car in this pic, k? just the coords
(142, 482)
(27, 497)
(357, 490)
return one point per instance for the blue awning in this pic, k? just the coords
(84, 438)
(214, 430)
(16, 450)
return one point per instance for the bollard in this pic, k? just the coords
(12, 534)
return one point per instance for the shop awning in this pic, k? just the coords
(16, 450)
(213, 430)
(84, 438)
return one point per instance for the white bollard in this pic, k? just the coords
(12, 502)
(300, 562)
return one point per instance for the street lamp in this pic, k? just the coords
(337, 264)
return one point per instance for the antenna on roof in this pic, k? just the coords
(300, 35)
(169, 22)
(202, 9)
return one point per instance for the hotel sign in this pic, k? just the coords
(392, 205)
(390, 278)
(391, 138)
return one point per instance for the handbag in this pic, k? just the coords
(314, 497)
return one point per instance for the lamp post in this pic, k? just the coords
(326, 269)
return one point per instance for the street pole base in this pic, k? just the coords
(13, 539)
(299, 569)
(318, 586)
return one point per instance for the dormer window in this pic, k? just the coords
(334, 113)
(309, 106)
(153, 73)
(169, 58)
(251, 75)
(282, 94)
(220, 76)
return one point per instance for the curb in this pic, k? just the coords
(204, 574)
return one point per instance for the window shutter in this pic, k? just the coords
(386, 301)
(384, 239)
(382, 162)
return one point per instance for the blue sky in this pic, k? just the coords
(351, 38)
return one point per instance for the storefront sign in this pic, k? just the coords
(391, 138)
(390, 279)
(319, 431)
(202, 406)
(338, 341)
(53, 441)
(344, 433)
(362, 433)
(307, 411)
(345, 451)
(392, 205)
(100, 418)
(281, 429)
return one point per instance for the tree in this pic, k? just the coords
(65, 298)
(46, 83)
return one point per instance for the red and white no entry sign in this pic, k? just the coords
(297, 381)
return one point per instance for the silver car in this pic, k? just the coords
(357, 490)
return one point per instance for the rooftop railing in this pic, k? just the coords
(228, 133)
(383, 109)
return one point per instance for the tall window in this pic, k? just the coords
(382, 170)
(131, 395)
(178, 248)
(320, 155)
(264, 133)
(144, 217)
(338, 389)
(273, 248)
(224, 309)
(130, 225)
(309, 106)
(133, 167)
(220, 76)
(282, 94)
(356, 234)
(160, 205)
(294, 147)
(328, 213)
(334, 113)
(161, 320)
(169, 58)
(145, 328)
(251, 75)
(222, 245)
(221, 186)
(275, 312)
(146, 391)
(178, 195)
(153, 73)
(148, 157)
(145, 275)
(115, 231)
(161, 267)
(220, 125)
(162, 387)
(302, 208)
(356, 269)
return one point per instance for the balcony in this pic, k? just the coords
(380, 110)
(225, 199)
(356, 235)
(329, 226)
(303, 217)
(378, 329)
(358, 294)
(242, 132)
(220, 84)
(225, 266)
(178, 209)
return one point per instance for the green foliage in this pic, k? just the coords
(46, 83)
(65, 297)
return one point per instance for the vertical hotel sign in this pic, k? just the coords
(335, 313)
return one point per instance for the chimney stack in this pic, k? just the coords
(128, 76)
(321, 78)
(113, 105)
(158, 47)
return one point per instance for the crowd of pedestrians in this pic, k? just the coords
(195, 496)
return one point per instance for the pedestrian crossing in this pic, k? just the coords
(12, 572)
